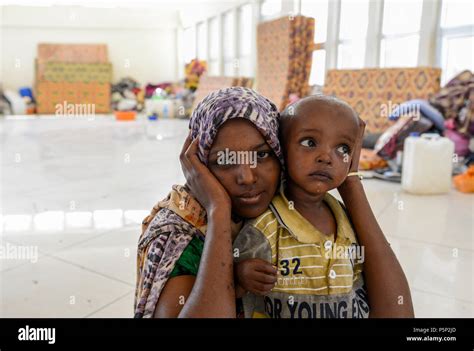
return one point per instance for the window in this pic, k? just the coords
(245, 41)
(457, 38)
(201, 42)
(456, 13)
(352, 33)
(213, 62)
(317, 9)
(351, 54)
(318, 67)
(354, 19)
(457, 55)
(399, 52)
(270, 8)
(400, 33)
(401, 17)
(229, 41)
(189, 44)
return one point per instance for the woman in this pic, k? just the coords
(169, 283)
(171, 248)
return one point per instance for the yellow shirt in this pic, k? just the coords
(319, 276)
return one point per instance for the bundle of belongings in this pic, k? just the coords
(450, 112)
(167, 100)
(17, 103)
(70, 75)
(396, 102)
(127, 95)
(27, 95)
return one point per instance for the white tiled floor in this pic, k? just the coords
(76, 190)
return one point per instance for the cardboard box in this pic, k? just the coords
(77, 72)
(52, 97)
(73, 77)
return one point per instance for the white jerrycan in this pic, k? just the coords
(427, 164)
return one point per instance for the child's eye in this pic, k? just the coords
(343, 149)
(308, 142)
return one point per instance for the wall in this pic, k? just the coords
(141, 42)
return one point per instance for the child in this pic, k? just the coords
(306, 233)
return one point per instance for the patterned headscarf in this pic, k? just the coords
(236, 102)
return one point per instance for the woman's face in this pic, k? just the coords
(246, 166)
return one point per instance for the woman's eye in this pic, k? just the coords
(308, 142)
(219, 163)
(263, 154)
(343, 149)
(224, 163)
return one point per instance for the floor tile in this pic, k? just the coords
(52, 288)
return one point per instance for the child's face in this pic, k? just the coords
(318, 143)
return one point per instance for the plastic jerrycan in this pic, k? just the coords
(427, 164)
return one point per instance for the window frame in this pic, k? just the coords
(443, 33)
(431, 34)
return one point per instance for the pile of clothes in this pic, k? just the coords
(127, 95)
(162, 100)
(450, 112)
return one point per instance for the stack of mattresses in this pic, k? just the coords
(375, 92)
(72, 75)
(208, 84)
(284, 56)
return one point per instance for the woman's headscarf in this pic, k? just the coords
(235, 102)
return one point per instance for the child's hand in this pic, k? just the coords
(256, 275)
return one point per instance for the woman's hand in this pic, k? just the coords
(211, 293)
(384, 277)
(355, 156)
(357, 147)
(203, 184)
